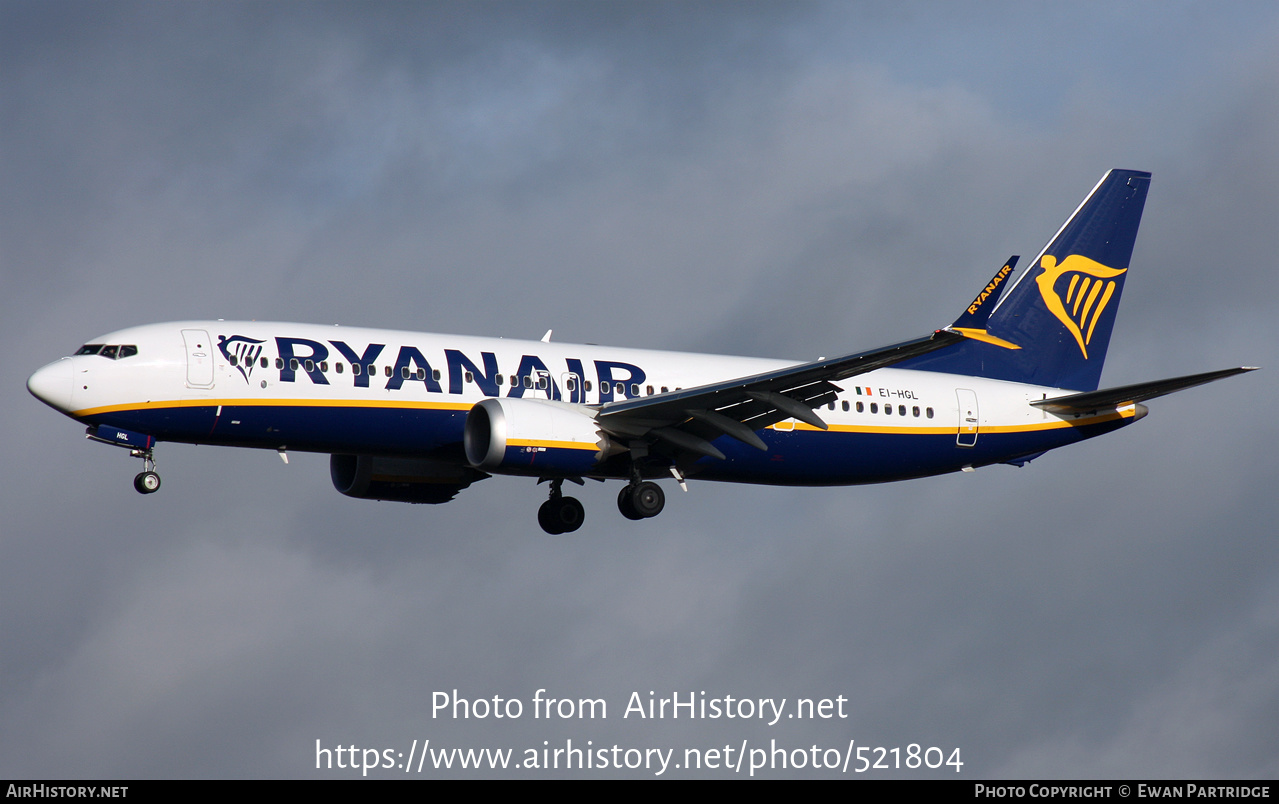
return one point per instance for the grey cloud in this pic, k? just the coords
(774, 179)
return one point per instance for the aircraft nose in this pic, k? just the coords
(52, 385)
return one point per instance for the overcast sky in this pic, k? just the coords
(776, 179)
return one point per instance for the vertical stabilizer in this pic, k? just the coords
(1061, 310)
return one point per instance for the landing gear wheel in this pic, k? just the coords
(624, 504)
(147, 482)
(648, 499)
(641, 501)
(561, 515)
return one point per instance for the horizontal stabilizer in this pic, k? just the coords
(1127, 394)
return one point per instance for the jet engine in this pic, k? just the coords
(411, 480)
(536, 437)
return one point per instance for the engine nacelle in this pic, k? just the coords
(534, 437)
(411, 480)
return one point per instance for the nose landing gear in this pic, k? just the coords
(147, 481)
(139, 445)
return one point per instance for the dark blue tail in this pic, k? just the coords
(1053, 326)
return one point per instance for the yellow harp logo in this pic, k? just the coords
(1086, 295)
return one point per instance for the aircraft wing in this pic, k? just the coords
(1123, 395)
(687, 420)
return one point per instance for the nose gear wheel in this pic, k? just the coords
(147, 481)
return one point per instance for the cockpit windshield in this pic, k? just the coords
(109, 351)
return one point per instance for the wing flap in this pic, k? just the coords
(689, 419)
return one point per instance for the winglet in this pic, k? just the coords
(975, 316)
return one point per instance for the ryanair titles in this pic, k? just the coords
(376, 365)
(990, 288)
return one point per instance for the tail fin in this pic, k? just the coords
(1053, 326)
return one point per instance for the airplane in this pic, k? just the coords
(418, 417)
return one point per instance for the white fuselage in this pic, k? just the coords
(352, 390)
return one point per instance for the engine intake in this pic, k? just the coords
(534, 437)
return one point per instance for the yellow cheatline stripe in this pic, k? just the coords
(278, 403)
(1126, 413)
(534, 442)
(985, 337)
(858, 428)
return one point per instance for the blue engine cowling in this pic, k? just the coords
(411, 480)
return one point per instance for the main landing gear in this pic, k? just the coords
(641, 500)
(146, 481)
(560, 514)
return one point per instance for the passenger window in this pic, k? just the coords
(649, 390)
(324, 365)
(467, 377)
(874, 407)
(541, 383)
(355, 369)
(337, 367)
(514, 380)
(915, 411)
(233, 361)
(263, 363)
(888, 410)
(831, 406)
(279, 362)
(387, 371)
(845, 405)
(664, 389)
(901, 410)
(293, 363)
(435, 375)
(929, 411)
(498, 379)
(528, 381)
(634, 389)
(587, 386)
(310, 366)
(570, 384)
